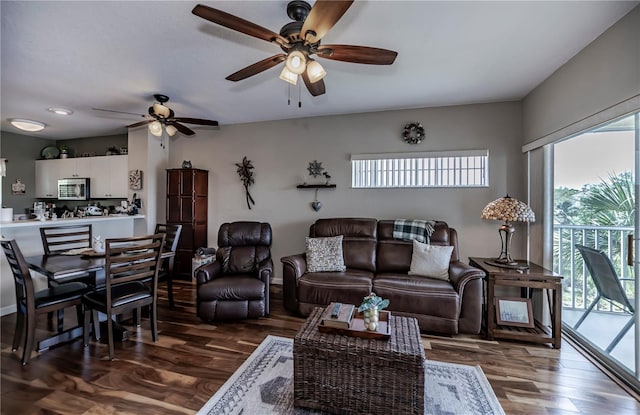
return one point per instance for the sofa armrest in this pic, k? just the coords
(207, 272)
(460, 274)
(293, 267)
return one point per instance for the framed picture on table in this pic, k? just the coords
(512, 311)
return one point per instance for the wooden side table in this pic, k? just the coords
(533, 277)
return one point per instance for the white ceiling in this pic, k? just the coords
(117, 54)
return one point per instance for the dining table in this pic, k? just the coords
(60, 267)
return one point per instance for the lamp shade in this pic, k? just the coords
(155, 128)
(508, 209)
(296, 62)
(315, 71)
(161, 110)
(288, 76)
(171, 130)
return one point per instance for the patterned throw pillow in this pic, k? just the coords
(325, 254)
(430, 260)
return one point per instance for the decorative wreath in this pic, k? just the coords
(413, 133)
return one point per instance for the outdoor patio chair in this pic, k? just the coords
(609, 288)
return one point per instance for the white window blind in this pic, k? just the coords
(427, 169)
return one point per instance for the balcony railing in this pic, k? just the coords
(578, 287)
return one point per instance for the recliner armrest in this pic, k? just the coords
(460, 274)
(207, 272)
(265, 270)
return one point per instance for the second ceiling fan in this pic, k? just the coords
(300, 40)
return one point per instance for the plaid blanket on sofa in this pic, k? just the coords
(420, 230)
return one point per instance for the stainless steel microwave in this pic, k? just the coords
(73, 189)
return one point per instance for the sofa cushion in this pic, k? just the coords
(430, 260)
(243, 287)
(322, 288)
(324, 254)
(358, 242)
(418, 295)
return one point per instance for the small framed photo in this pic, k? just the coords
(512, 311)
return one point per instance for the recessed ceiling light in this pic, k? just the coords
(60, 111)
(27, 125)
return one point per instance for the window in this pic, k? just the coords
(434, 169)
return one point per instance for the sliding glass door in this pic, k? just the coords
(595, 206)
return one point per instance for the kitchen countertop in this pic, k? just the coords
(59, 221)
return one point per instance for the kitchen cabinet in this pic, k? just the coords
(108, 175)
(46, 181)
(187, 203)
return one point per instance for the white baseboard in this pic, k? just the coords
(8, 310)
(276, 281)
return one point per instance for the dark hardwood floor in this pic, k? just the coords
(192, 359)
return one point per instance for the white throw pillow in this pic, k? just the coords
(430, 260)
(325, 254)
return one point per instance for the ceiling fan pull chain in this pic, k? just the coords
(288, 94)
(299, 101)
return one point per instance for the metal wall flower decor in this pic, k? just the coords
(413, 133)
(245, 171)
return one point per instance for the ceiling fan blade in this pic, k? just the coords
(198, 121)
(315, 88)
(120, 112)
(138, 124)
(257, 67)
(236, 23)
(357, 54)
(323, 15)
(182, 128)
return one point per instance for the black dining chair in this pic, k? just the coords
(31, 303)
(129, 262)
(608, 286)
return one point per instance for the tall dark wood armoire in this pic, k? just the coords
(187, 194)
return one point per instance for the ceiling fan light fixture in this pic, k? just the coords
(171, 130)
(27, 125)
(315, 71)
(296, 62)
(155, 128)
(288, 76)
(161, 110)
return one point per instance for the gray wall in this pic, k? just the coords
(282, 150)
(603, 74)
(21, 151)
(602, 81)
(95, 145)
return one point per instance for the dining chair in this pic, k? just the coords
(59, 239)
(31, 303)
(608, 285)
(171, 240)
(128, 263)
(165, 273)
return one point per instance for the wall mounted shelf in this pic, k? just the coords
(316, 186)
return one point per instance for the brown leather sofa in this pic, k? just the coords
(376, 262)
(236, 284)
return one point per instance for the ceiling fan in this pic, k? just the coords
(162, 116)
(300, 40)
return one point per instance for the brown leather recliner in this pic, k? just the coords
(236, 284)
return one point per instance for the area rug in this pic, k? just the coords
(264, 385)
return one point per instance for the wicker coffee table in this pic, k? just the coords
(351, 375)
